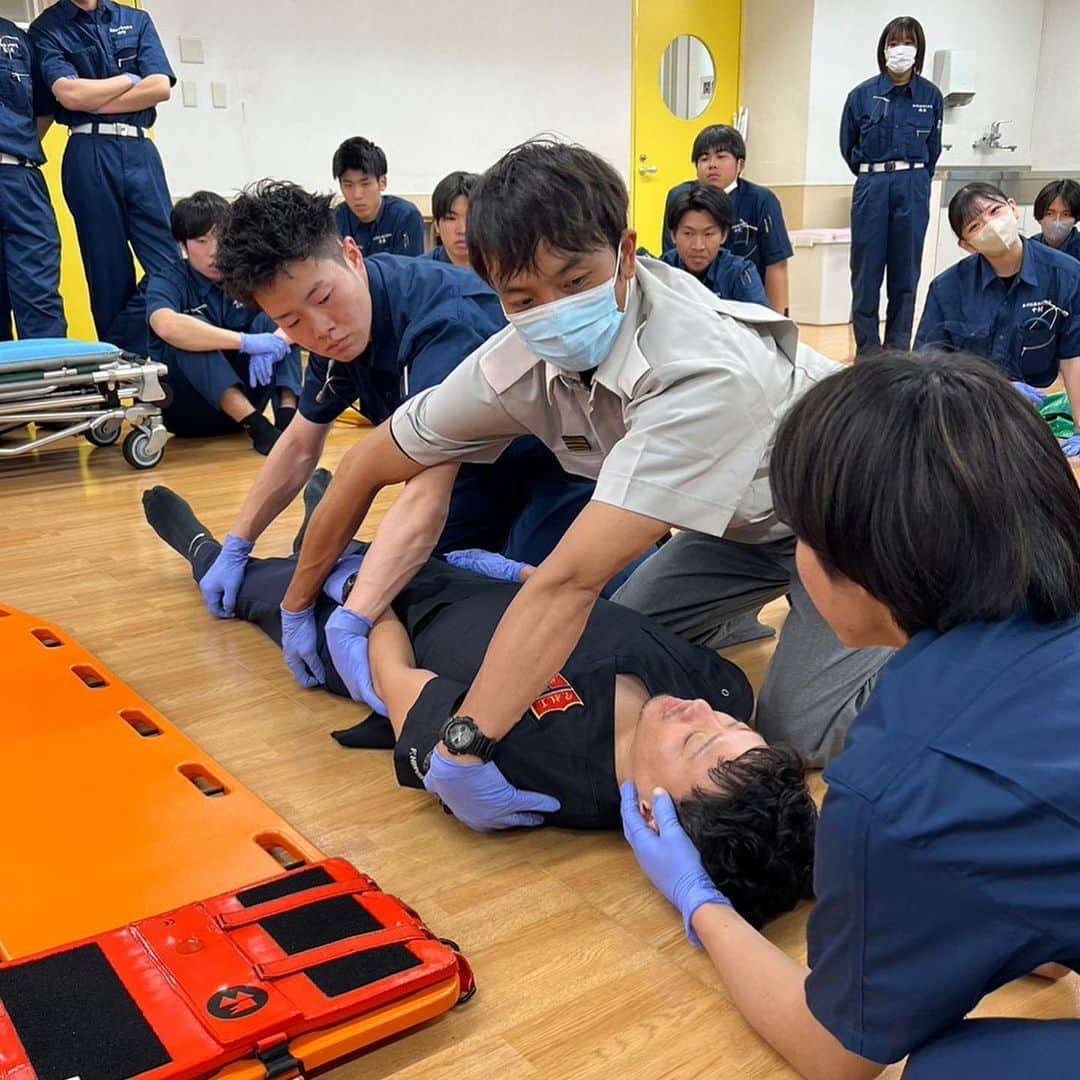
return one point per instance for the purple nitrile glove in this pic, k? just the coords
(480, 797)
(1029, 393)
(347, 638)
(1071, 446)
(135, 79)
(264, 352)
(220, 584)
(670, 860)
(487, 564)
(299, 643)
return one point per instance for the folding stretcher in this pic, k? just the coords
(112, 817)
(82, 388)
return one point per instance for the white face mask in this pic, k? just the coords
(900, 58)
(999, 235)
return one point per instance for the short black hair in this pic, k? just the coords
(274, 223)
(756, 834)
(547, 191)
(929, 481)
(906, 25)
(359, 154)
(1068, 191)
(449, 188)
(199, 214)
(721, 137)
(964, 205)
(706, 199)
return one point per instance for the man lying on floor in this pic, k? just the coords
(633, 702)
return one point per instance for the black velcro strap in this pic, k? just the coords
(315, 925)
(285, 886)
(74, 1017)
(361, 969)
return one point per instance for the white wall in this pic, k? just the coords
(1005, 35)
(1055, 136)
(437, 86)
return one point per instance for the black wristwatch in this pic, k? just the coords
(461, 736)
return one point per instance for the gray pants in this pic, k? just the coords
(696, 584)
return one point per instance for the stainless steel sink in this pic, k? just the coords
(1017, 181)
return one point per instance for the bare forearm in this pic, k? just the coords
(153, 90)
(1070, 376)
(406, 537)
(776, 286)
(364, 471)
(532, 642)
(769, 989)
(191, 334)
(287, 470)
(89, 95)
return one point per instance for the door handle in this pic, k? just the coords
(646, 171)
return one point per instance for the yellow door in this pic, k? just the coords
(72, 279)
(664, 50)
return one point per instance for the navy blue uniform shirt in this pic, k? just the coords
(759, 233)
(398, 228)
(1024, 328)
(439, 254)
(101, 44)
(885, 122)
(23, 96)
(729, 276)
(185, 291)
(426, 317)
(948, 851)
(1070, 247)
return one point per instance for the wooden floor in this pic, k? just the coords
(583, 968)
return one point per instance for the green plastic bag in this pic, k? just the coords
(1057, 412)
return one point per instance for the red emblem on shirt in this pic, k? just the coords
(558, 697)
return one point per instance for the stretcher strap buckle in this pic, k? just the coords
(274, 1056)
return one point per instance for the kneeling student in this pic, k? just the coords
(699, 219)
(632, 702)
(948, 853)
(225, 360)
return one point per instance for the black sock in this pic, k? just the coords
(263, 433)
(374, 733)
(283, 416)
(172, 519)
(313, 493)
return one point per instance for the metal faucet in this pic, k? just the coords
(991, 140)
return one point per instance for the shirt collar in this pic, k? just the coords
(71, 11)
(1027, 272)
(885, 85)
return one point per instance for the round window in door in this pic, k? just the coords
(687, 76)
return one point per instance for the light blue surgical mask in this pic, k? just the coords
(577, 332)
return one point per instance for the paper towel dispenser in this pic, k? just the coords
(954, 75)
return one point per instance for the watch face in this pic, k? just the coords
(459, 736)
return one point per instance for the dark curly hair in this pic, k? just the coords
(274, 223)
(756, 834)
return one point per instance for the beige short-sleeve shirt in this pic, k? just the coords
(677, 424)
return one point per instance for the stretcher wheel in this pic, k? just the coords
(137, 452)
(104, 434)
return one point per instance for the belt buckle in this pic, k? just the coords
(890, 166)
